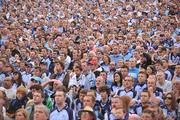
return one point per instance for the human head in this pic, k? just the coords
(41, 112)
(128, 82)
(147, 115)
(89, 100)
(82, 93)
(132, 62)
(160, 77)
(21, 92)
(151, 82)
(150, 70)
(142, 77)
(87, 114)
(60, 97)
(104, 92)
(118, 77)
(145, 96)
(59, 66)
(100, 81)
(38, 98)
(21, 114)
(7, 83)
(169, 100)
(116, 102)
(124, 71)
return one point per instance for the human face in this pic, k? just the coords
(58, 67)
(160, 77)
(81, 96)
(116, 103)
(39, 114)
(37, 72)
(7, 83)
(124, 72)
(19, 96)
(87, 101)
(149, 71)
(103, 74)
(141, 78)
(116, 78)
(144, 97)
(132, 62)
(16, 76)
(59, 97)
(37, 97)
(99, 82)
(77, 71)
(168, 99)
(86, 116)
(19, 116)
(146, 116)
(104, 95)
(151, 82)
(128, 82)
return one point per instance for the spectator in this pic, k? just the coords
(41, 113)
(61, 111)
(21, 114)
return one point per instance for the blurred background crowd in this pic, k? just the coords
(89, 59)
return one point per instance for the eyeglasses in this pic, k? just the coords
(169, 98)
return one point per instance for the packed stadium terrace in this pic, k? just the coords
(89, 60)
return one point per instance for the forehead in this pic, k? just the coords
(59, 93)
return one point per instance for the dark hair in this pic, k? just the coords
(152, 68)
(19, 80)
(120, 75)
(149, 112)
(145, 90)
(60, 63)
(173, 102)
(125, 66)
(83, 91)
(104, 89)
(36, 87)
(78, 66)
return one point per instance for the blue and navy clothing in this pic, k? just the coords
(136, 109)
(127, 56)
(97, 110)
(110, 116)
(105, 106)
(64, 114)
(131, 93)
(116, 58)
(115, 88)
(140, 87)
(16, 104)
(78, 105)
(168, 113)
(134, 73)
(158, 92)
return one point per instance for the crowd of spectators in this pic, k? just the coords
(89, 59)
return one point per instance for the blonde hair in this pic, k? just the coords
(24, 112)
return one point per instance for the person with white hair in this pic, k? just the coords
(41, 112)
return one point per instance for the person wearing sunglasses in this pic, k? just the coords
(170, 107)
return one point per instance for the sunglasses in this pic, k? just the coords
(169, 98)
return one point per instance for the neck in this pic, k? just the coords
(127, 89)
(61, 105)
(104, 100)
(169, 107)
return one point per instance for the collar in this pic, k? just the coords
(59, 110)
